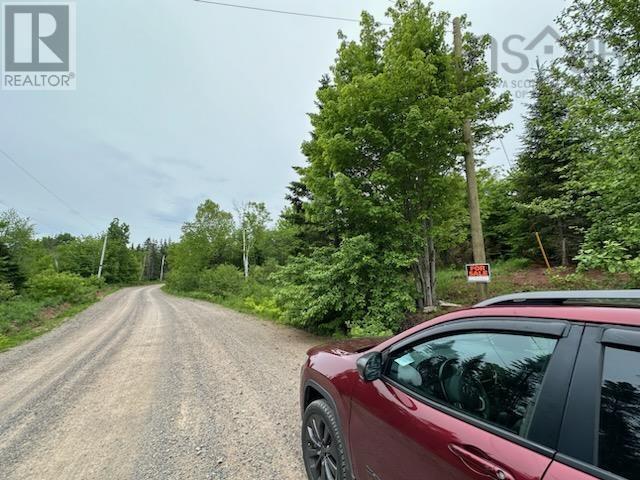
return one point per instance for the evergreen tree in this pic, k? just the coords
(9, 269)
(605, 109)
(120, 265)
(543, 167)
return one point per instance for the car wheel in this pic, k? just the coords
(322, 444)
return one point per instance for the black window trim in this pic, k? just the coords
(553, 328)
(579, 441)
(627, 338)
(587, 468)
(568, 334)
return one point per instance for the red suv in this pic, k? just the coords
(523, 387)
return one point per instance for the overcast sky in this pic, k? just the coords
(178, 101)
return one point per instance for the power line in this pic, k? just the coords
(47, 189)
(504, 148)
(506, 154)
(23, 214)
(281, 12)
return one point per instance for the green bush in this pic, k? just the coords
(7, 291)
(181, 280)
(95, 283)
(572, 281)
(66, 287)
(611, 256)
(353, 289)
(223, 281)
(15, 314)
(262, 273)
(267, 307)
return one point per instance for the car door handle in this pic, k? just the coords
(480, 465)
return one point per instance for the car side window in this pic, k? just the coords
(495, 377)
(619, 439)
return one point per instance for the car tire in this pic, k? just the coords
(323, 447)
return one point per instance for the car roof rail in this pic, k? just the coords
(586, 298)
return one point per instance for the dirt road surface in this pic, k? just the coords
(144, 385)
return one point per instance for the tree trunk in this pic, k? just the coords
(245, 254)
(563, 245)
(424, 272)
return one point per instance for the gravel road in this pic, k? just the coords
(144, 385)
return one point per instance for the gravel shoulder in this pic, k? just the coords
(147, 385)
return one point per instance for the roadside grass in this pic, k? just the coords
(513, 276)
(265, 309)
(257, 297)
(23, 319)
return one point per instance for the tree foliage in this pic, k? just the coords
(350, 289)
(605, 108)
(386, 142)
(120, 265)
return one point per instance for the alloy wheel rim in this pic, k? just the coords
(320, 452)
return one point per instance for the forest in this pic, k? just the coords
(43, 280)
(376, 230)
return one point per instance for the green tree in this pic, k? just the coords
(120, 265)
(10, 272)
(605, 108)
(252, 230)
(80, 256)
(543, 197)
(16, 236)
(387, 135)
(206, 241)
(151, 253)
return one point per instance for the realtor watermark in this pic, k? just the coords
(39, 46)
(516, 56)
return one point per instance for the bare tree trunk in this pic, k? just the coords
(432, 270)
(563, 245)
(424, 272)
(245, 254)
(418, 279)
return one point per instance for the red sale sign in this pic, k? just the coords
(479, 273)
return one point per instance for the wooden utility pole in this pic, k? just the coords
(104, 249)
(477, 236)
(164, 257)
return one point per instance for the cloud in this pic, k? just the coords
(178, 162)
(177, 212)
(134, 168)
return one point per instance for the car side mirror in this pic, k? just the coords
(370, 366)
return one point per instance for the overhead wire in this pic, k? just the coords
(281, 12)
(47, 189)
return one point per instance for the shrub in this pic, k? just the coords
(612, 257)
(6, 291)
(182, 280)
(95, 283)
(67, 287)
(354, 289)
(15, 314)
(267, 307)
(223, 281)
(572, 281)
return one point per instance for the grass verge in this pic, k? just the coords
(23, 319)
(237, 303)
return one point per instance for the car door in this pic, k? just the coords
(468, 400)
(600, 436)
